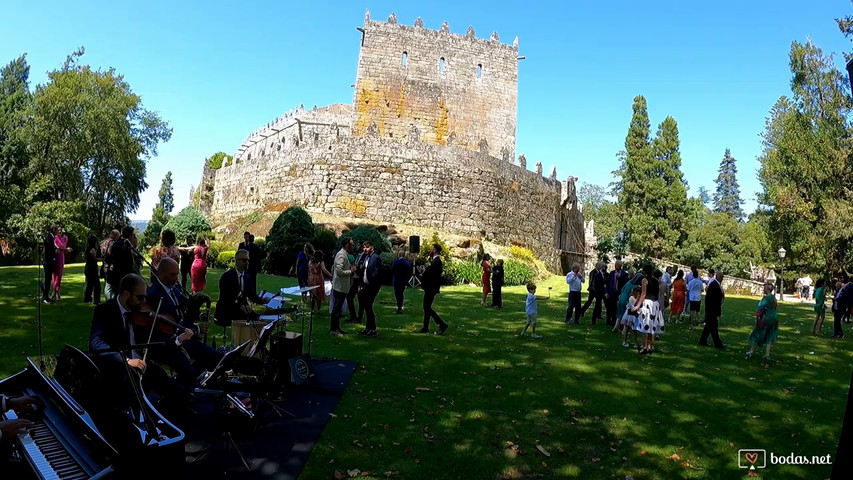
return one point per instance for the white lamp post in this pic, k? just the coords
(781, 253)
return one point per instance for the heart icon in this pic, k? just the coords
(752, 457)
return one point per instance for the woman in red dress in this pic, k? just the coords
(487, 275)
(198, 272)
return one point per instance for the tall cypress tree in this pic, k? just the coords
(638, 172)
(727, 197)
(670, 192)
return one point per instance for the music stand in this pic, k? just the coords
(225, 363)
(263, 338)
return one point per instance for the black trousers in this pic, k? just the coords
(838, 316)
(93, 287)
(399, 291)
(429, 313)
(353, 292)
(497, 297)
(712, 328)
(187, 370)
(590, 297)
(48, 280)
(611, 303)
(366, 297)
(574, 305)
(185, 275)
(340, 298)
(596, 310)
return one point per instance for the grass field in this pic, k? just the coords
(476, 403)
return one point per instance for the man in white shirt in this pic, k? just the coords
(694, 295)
(806, 283)
(575, 281)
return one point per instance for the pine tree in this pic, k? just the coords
(727, 198)
(704, 196)
(639, 170)
(670, 192)
(167, 198)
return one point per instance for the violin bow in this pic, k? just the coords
(153, 324)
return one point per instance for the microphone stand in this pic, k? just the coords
(43, 291)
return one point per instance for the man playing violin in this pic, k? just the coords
(236, 288)
(166, 292)
(113, 333)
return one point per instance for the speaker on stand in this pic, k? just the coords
(414, 248)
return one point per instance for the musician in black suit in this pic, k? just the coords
(371, 267)
(431, 284)
(111, 336)
(596, 288)
(122, 261)
(714, 298)
(616, 281)
(49, 262)
(237, 288)
(184, 354)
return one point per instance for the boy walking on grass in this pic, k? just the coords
(532, 309)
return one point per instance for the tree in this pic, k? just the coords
(90, 136)
(669, 203)
(704, 196)
(805, 162)
(160, 217)
(638, 172)
(727, 197)
(618, 183)
(288, 235)
(218, 159)
(592, 197)
(188, 222)
(14, 101)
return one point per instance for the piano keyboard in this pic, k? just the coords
(49, 458)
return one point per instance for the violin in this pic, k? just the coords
(145, 318)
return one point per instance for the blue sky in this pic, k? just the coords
(217, 70)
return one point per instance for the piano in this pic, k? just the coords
(64, 444)
(68, 443)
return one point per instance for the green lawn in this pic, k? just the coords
(476, 403)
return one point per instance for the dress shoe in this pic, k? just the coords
(721, 346)
(442, 329)
(422, 330)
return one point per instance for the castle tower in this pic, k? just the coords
(443, 84)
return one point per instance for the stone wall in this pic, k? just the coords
(444, 188)
(449, 86)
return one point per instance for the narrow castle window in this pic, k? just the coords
(405, 59)
(441, 64)
(479, 70)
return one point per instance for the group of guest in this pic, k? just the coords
(55, 247)
(493, 280)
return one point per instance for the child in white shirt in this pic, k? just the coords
(532, 309)
(629, 319)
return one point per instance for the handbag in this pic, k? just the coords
(760, 320)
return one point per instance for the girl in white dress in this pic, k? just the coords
(629, 319)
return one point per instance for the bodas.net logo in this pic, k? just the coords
(751, 458)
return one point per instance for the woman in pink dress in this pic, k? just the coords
(61, 242)
(198, 272)
(487, 277)
(317, 275)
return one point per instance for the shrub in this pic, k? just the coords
(366, 233)
(188, 221)
(521, 253)
(225, 259)
(466, 272)
(325, 240)
(517, 273)
(288, 235)
(387, 259)
(261, 242)
(426, 246)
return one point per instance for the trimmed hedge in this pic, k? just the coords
(225, 260)
(515, 273)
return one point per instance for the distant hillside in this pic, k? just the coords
(139, 225)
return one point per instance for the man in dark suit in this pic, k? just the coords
(370, 285)
(597, 284)
(714, 298)
(356, 284)
(187, 258)
(615, 282)
(256, 256)
(49, 263)
(236, 288)
(122, 262)
(431, 284)
(166, 294)
(112, 329)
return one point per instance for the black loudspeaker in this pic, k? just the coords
(283, 347)
(414, 244)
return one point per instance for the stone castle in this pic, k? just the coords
(429, 140)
